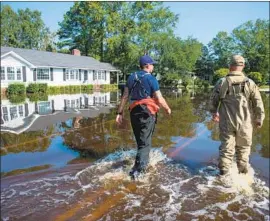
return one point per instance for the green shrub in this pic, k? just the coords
(37, 88)
(186, 81)
(256, 77)
(206, 84)
(17, 99)
(37, 97)
(199, 82)
(16, 88)
(220, 73)
(170, 79)
(43, 88)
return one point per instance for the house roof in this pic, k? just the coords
(53, 59)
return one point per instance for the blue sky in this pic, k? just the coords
(201, 20)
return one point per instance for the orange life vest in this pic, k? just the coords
(151, 104)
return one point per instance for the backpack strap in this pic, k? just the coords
(232, 88)
(137, 81)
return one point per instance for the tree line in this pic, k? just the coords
(120, 32)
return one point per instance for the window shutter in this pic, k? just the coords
(51, 70)
(24, 73)
(86, 102)
(64, 74)
(94, 75)
(53, 106)
(35, 74)
(80, 102)
(26, 109)
(85, 75)
(65, 105)
(2, 121)
(105, 77)
(80, 74)
(36, 108)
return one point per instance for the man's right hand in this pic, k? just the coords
(215, 117)
(119, 119)
(258, 124)
(169, 111)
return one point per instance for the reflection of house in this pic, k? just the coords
(55, 69)
(17, 118)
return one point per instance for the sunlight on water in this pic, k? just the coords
(168, 192)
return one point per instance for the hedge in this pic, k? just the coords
(16, 88)
(37, 88)
(17, 98)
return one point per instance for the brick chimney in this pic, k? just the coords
(76, 52)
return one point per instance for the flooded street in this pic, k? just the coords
(66, 159)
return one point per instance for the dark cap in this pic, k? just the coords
(146, 59)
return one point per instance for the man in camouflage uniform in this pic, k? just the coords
(236, 104)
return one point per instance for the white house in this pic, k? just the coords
(17, 118)
(55, 69)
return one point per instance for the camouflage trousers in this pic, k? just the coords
(235, 142)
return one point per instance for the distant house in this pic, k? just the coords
(55, 69)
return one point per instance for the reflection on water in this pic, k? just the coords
(68, 129)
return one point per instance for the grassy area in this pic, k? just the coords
(265, 86)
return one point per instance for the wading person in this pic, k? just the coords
(145, 98)
(237, 105)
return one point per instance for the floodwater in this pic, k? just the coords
(64, 158)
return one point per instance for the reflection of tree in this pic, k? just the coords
(201, 104)
(96, 137)
(214, 127)
(261, 136)
(181, 123)
(32, 141)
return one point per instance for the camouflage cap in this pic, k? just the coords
(237, 60)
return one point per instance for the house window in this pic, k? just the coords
(21, 111)
(99, 75)
(3, 77)
(44, 107)
(19, 74)
(72, 74)
(10, 73)
(5, 113)
(43, 74)
(67, 75)
(13, 112)
(95, 75)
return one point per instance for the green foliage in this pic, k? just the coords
(170, 79)
(24, 29)
(17, 99)
(220, 73)
(206, 84)
(253, 43)
(88, 87)
(251, 40)
(205, 64)
(222, 46)
(109, 87)
(37, 97)
(16, 88)
(116, 32)
(256, 77)
(37, 88)
(186, 81)
(199, 82)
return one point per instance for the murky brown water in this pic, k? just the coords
(93, 183)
